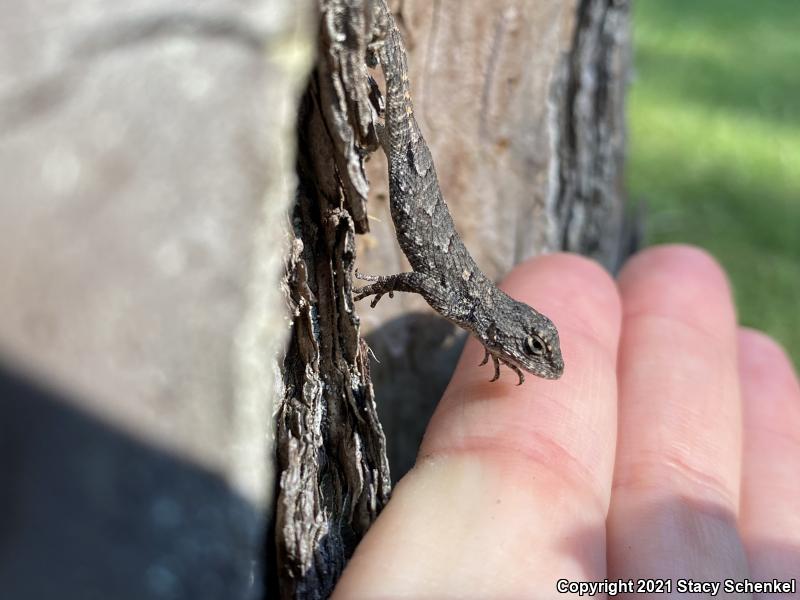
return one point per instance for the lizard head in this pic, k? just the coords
(526, 339)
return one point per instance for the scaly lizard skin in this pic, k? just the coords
(444, 273)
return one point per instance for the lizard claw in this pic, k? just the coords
(485, 358)
(517, 371)
(496, 362)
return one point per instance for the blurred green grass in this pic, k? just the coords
(714, 117)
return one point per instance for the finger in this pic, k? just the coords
(512, 485)
(676, 481)
(770, 514)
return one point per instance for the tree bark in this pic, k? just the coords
(147, 167)
(334, 475)
(522, 104)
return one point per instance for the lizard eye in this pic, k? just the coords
(534, 345)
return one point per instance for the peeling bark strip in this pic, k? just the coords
(331, 448)
(590, 96)
(343, 89)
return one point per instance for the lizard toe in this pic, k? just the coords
(375, 300)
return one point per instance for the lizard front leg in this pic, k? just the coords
(497, 362)
(415, 283)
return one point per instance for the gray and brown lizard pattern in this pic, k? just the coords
(444, 273)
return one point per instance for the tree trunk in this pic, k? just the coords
(148, 170)
(522, 104)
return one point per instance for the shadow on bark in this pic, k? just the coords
(413, 348)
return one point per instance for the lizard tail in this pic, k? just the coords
(398, 94)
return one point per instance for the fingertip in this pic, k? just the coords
(679, 415)
(674, 259)
(759, 352)
(771, 458)
(679, 281)
(539, 418)
(559, 263)
(577, 293)
(769, 382)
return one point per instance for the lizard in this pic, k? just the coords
(443, 271)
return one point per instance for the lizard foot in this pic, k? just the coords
(497, 362)
(369, 290)
(389, 284)
(377, 297)
(381, 285)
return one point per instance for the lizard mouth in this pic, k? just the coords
(544, 371)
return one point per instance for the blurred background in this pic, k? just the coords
(714, 155)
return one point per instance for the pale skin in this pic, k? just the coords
(670, 448)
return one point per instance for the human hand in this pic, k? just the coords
(658, 454)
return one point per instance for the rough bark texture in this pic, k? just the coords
(334, 475)
(590, 94)
(522, 105)
(146, 162)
